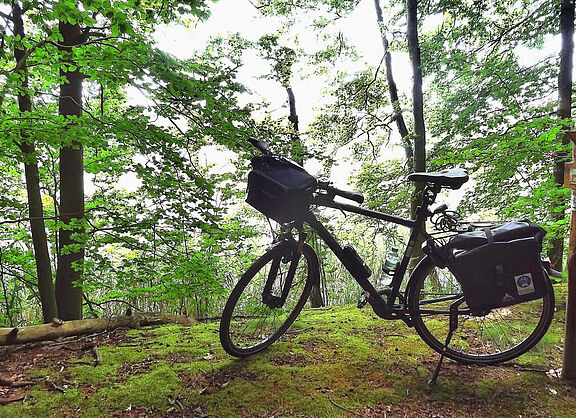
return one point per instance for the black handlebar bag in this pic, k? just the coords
(279, 188)
(500, 273)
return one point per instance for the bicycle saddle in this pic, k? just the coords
(453, 178)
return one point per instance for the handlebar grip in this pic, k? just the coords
(261, 145)
(355, 196)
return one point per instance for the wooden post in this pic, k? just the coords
(569, 361)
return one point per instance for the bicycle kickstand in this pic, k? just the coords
(452, 327)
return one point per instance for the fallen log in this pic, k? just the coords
(16, 383)
(15, 398)
(60, 329)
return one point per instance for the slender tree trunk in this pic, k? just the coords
(556, 250)
(316, 294)
(393, 91)
(418, 114)
(417, 99)
(564, 111)
(293, 118)
(71, 250)
(35, 206)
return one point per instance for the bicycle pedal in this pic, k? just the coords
(362, 301)
(407, 320)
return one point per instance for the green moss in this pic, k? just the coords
(40, 373)
(282, 389)
(146, 390)
(333, 361)
(40, 403)
(93, 375)
(135, 333)
(120, 355)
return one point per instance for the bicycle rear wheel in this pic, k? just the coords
(252, 319)
(500, 335)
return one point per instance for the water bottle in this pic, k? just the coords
(391, 262)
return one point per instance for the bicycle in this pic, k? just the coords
(273, 291)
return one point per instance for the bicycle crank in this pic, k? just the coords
(385, 293)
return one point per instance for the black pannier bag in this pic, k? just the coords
(280, 189)
(500, 266)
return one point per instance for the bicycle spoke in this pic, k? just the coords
(258, 320)
(497, 335)
(507, 328)
(491, 338)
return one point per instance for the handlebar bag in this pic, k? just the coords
(499, 267)
(279, 188)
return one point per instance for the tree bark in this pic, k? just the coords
(316, 300)
(293, 119)
(418, 114)
(417, 99)
(71, 250)
(564, 111)
(393, 91)
(556, 251)
(31, 173)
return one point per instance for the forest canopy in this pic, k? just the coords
(124, 167)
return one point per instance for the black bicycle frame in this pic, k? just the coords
(382, 308)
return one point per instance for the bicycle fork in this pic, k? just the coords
(268, 298)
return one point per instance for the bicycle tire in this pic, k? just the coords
(248, 324)
(500, 335)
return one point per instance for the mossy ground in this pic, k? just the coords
(334, 362)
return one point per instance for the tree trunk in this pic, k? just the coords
(556, 251)
(293, 119)
(417, 99)
(35, 206)
(71, 250)
(418, 113)
(316, 300)
(393, 91)
(564, 111)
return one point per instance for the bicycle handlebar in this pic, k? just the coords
(355, 196)
(261, 145)
(324, 185)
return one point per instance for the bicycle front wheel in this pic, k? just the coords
(255, 314)
(500, 335)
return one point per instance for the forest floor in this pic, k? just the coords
(334, 362)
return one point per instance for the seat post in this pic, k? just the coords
(429, 194)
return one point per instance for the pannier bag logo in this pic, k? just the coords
(524, 284)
